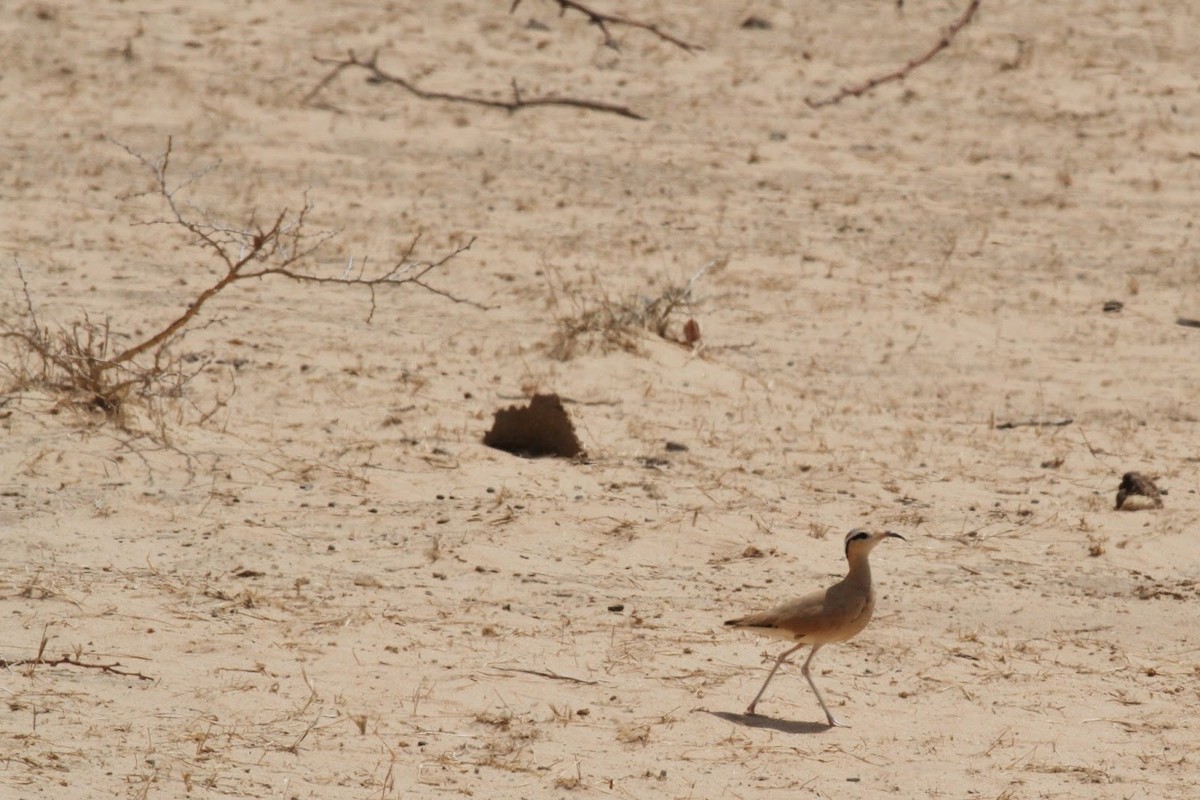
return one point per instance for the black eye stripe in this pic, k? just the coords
(856, 536)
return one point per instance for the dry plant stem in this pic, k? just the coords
(899, 74)
(602, 22)
(517, 102)
(1035, 423)
(274, 250)
(613, 324)
(78, 353)
(294, 746)
(393, 277)
(548, 674)
(39, 661)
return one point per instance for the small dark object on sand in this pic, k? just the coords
(1135, 483)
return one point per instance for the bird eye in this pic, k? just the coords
(854, 536)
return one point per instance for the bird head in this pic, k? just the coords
(861, 542)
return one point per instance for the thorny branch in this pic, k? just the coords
(255, 251)
(405, 270)
(602, 21)
(517, 103)
(899, 74)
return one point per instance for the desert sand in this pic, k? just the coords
(302, 575)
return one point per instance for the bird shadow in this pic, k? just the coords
(770, 723)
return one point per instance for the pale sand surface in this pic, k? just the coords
(336, 591)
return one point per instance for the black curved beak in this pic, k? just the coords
(893, 534)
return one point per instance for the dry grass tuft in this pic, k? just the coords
(597, 321)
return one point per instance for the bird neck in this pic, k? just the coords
(860, 569)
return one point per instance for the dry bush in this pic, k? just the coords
(86, 366)
(594, 320)
(79, 365)
(75, 363)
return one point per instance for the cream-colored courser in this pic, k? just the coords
(825, 617)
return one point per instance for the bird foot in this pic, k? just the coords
(834, 722)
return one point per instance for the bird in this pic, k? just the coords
(1137, 484)
(822, 617)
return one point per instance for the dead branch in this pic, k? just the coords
(517, 103)
(70, 661)
(1035, 423)
(83, 363)
(255, 251)
(902, 72)
(405, 270)
(602, 21)
(548, 674)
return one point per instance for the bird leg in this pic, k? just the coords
(834, 722)
(783, 657)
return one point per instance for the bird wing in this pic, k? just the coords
(817, 617)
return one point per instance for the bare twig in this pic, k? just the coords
(328, 79)
(602, 21)
(1096, 453)
(294, 746)
(899, 74)
(405, 270)
(1035, 423)
(548, 674)
(254, 251)
(112, 669)
(517, 103)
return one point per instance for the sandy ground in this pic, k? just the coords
(320, 584)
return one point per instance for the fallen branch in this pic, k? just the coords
(112, 669)
(554, 676)
(40, 660)
(902, 72)
(602, 21)
(517, 103)
(1035, 423)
